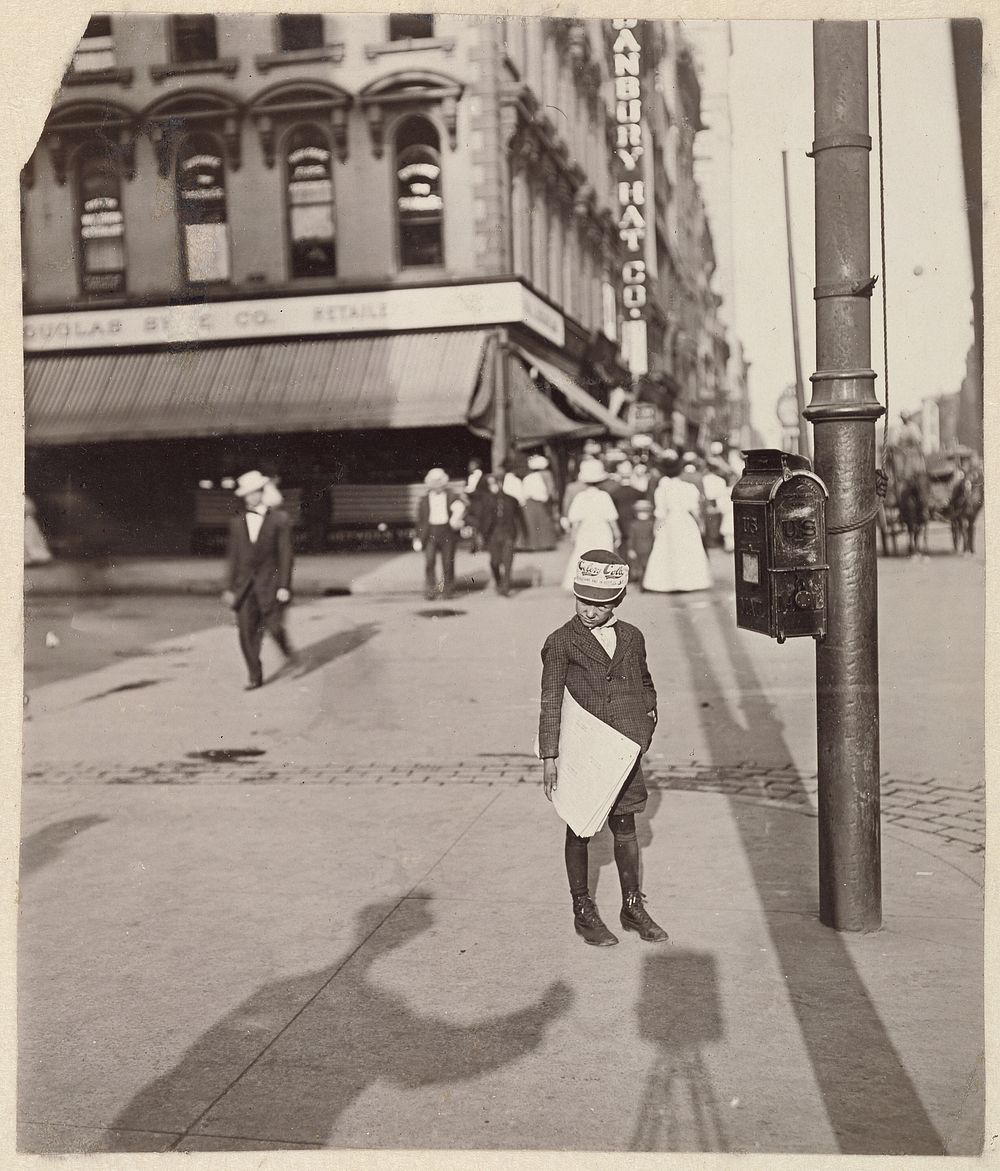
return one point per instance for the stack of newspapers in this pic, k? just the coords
(594, 762)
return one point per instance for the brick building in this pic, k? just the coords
(346, 246)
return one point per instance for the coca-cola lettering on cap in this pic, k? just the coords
(601, 574)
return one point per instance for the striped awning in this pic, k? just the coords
(326, 384)
(531, 418)
(579, 399)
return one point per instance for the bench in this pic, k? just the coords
(214, 508)
(376, 512)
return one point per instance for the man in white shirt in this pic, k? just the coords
(440, 516)
(259, 577)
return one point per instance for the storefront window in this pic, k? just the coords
(201, 205)
(419, 205)
(102, 229)
(311, 233)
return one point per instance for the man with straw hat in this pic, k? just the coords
(259, 578)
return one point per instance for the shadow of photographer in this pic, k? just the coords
(285, 1064)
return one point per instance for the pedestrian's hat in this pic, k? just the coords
(592, 471)
(250, 482)
(436, 478)
(537, 463)
(601, 576)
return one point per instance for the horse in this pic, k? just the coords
(913, 512)
(963, 509)
(906, 501)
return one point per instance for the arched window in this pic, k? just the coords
(419, 205)
(201, 209)
(101, 227)
(311, 234)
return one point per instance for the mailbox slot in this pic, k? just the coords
(779, 510)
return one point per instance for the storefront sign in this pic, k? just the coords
(644, 417)
(393, 311)
(627, 52)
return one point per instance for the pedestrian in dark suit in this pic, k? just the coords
(601, 661)
(503, 522)
(641, 533)
(440, 516)
(259, 580)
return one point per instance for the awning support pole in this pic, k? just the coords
(501, 412)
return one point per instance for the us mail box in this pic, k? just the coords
(779, 510)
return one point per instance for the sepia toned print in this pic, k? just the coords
(419, 343)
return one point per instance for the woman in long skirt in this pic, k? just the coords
(538, 506)
(592, 518)
(677, 562)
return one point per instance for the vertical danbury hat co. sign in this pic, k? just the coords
(627, 53)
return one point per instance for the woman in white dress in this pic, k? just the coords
(592, 517)
(677, 562)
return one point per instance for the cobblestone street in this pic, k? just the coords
(927, 806)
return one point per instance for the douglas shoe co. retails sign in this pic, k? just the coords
(390, 311)
(629, 151)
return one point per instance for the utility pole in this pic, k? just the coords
(800, 394)
(843, 411)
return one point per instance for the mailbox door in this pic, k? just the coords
(800, 570)
(752, 564)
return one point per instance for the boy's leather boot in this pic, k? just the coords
(589, 924)
(586, 920)
(635, 917)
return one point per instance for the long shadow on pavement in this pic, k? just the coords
(45, 845)
(325, 650)
(301, 1050)
(870, 1100)
(679, 1013)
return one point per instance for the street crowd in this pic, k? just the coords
(657, 508)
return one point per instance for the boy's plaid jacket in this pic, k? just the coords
(618, 691)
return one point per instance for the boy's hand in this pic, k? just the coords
(652, 715)
(549, 776)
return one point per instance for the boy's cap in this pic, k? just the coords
(601, 576)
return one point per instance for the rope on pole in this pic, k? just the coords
(882, 482)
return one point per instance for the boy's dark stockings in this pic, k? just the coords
(634, 916)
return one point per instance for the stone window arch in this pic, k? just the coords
(410, 91)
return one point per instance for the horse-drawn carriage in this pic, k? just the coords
(946, 486)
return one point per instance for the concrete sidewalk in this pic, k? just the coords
(316, 575)
(332, 913)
